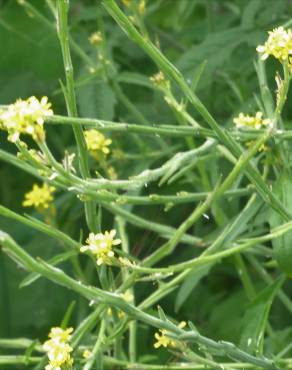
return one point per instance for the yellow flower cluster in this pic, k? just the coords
(26, 117)
(159, 80)
(58, 348)
(97, 143)
(95, 38)
(256, 122)
(163, 340)
(100, 245)
(39, 197)
(279, 45)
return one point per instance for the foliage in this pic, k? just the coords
(167, 161)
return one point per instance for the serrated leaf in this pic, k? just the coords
(97, 101)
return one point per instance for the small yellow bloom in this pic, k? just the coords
(127, 296)
(279, 44)
(60, 335)
(97, 143)
(86, 353)
(256, 122)
(141, 7)
(58, 348)
(26, 117)
(125, 262)
(163, 340)
(100, 245)
(39, 197)
(95, 38)
(159, 80)
(262, 148)
(182, 324)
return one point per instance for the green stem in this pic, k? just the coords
(169, 70)
(62, 29)
(96, 351)
(58, 276)
(125, 274)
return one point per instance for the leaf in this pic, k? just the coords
(135, 79)
(250, 12)
(198, 74)
(256, 317)
(282, 245)
(68, 314)
(189, 285)
(96, 101)
(215, 49)
(161, 314)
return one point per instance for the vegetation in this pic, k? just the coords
(145, 202)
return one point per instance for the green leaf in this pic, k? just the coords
(96, 101)
(283, 245)
(250, 12)
(189, 285)
(161, 313)
(135, 79)
(68, 315)
(256, 317)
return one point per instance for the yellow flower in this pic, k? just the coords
(141, 7)
(39, 197)
(60, 335)
(279, 44)
(127, 296)
(163, 340)
(58, 348)
(26, 117)
(100, 245)
(159, 80)
(262, 148)
(95, 38)
(256, 122)
(86, 353)
(97, 143)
